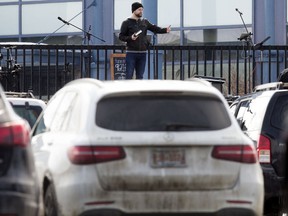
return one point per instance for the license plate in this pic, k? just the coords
(168, 158)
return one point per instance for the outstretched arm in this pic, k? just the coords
(157, 29)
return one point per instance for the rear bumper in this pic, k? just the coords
(19, 204)
(218, 203)
(87, 197)
(223, 212)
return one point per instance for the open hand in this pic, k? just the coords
(168, 28)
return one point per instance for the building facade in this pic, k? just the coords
(192, 21)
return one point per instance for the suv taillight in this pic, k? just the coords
(264, 149)
(14, 134)
(237, 153)
(83, 155)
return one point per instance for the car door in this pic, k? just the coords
(51, 123)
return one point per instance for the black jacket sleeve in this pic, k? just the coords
(124, 34)
(154, 28)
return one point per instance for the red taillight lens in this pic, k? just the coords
(237, 153)
(264, 149)
(14, 134)
(82, 155)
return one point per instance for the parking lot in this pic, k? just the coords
(150, 141)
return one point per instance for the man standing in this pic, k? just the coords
(134, 32)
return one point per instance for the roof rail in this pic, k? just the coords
(271, 86)
(99, 83)
(196, 79)
(28, 94)
(214, 81)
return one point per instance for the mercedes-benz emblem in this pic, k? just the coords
(168, 137)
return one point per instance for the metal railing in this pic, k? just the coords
(44, 69)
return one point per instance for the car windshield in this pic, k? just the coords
(161, 112)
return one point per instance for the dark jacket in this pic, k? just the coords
(131, 26)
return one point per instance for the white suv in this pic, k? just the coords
(144, 147)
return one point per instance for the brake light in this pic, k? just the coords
(83, 155)
(264, 149)
(14, 134)
(238, 153)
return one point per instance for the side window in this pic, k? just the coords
(241, 109)
(252, 113)
(233, 108)
(46, 118)
(40, 127)
(63, 113)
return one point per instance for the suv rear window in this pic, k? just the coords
(162, 112)
(30, 113)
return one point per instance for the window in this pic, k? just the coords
(213, 35)
(251, 113)
(9, 17)
(169, 13)
(32, 20)
(122, 10)
(48, 115)
(280, 112)
(62, 115)
(45, 17)
(173, 38)
(161, 112)
(30, 113)
(194, 21)
(215, 12)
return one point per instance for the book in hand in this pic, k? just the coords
(138, 33)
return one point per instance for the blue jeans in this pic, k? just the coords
(135, 61)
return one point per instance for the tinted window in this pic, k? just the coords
(30, 113)
(251, 113)
(242, 108)
(161, 113)
(46, 119)
(280, 112)
(62, 115)
(57, 113)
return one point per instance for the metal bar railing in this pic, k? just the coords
(46, 68)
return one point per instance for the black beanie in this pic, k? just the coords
(135, 6)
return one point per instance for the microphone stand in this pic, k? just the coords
(87, 33)
(245, 36)
(259, 46)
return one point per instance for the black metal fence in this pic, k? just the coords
(46, 68)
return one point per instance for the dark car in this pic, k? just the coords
(19, 192)
(262, 116)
